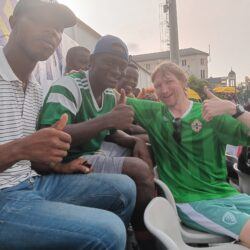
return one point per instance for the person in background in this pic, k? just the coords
(136, 92)
(62, 209)
(77, 59)
(129, 80)
(148, 94)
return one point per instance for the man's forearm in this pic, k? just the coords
(42, 168)
(122, 139)
(231, 109)
(9, 155)
(136, 129)
(83, 132)
(245, 118)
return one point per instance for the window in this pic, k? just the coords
(202, 61)
(184, 62)
(203, 74)
(148, 66)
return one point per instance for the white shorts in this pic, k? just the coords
(109, 159)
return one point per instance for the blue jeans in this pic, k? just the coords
(67, 212)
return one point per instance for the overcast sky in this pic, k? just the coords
(224, 24)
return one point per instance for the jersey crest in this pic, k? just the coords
(196, 126)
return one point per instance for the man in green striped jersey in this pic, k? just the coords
(190, 155)
(95, 115)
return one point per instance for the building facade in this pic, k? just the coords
(84, 35)
(193, 61)
(224, 81)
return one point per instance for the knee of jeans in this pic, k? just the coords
(115, 234)
(128, 189)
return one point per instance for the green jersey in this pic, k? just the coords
(73, 95)
(195, 167)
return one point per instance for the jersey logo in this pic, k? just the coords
(196, 126)
(229, 218)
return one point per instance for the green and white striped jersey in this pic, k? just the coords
(195, 168)
(72, 94)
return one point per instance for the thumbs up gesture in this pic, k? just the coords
(61, 124)
(122, 116)
(215, 106)
(48, 145)
(122, 99)
(209, 94)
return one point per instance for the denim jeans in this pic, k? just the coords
(67, 212)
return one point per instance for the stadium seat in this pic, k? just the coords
(189, 235)
(162, 221)
(244, 180)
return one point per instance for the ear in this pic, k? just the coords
(12, 21)
(91, 61)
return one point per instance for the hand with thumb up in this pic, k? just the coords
(122, 116)
(122, 99)
(48, 145)
(215, 106)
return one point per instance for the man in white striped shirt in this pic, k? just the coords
(56, 211)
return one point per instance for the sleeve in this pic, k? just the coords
(145, 110)
(231, 131)
(64, 97)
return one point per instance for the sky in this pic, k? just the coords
(222, 24)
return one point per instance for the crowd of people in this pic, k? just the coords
(76, 169)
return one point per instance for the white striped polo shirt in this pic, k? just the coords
(18, 117)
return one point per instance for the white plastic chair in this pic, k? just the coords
(161, 220)
(244, 180)
(189, 235)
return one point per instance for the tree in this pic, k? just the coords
(197, 85)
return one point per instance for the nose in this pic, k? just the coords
(164, 89)
(116, 71)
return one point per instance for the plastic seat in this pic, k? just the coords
(244, 180)
(189, 235)
(161, 220)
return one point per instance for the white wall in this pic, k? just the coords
(83, 35)
(144, 79)
(194, 67)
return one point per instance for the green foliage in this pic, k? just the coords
(197, 85)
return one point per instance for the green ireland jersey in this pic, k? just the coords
(194, 168)
(72, 94)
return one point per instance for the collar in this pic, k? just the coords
(187, 111)
(6, 72)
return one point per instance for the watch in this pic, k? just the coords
(239, 111)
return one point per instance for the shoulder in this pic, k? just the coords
(197, 105)
(143, 102)
(71, 83)
(111, 92)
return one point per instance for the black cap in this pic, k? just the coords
(106, 44)
(59, 12)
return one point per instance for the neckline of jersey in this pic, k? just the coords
(98, 109)
(186, 112)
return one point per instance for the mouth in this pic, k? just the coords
(166, 96)
(113, 81)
